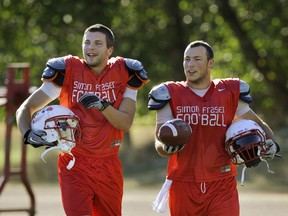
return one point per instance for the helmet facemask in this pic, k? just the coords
(64, 131)
(247, 148)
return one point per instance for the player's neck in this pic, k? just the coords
(98, 69)
(199, 85)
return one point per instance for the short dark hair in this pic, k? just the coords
(105, 30)
(209, 51)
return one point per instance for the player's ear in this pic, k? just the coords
(110, 51)
(211, 63)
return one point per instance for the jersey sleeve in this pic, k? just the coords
(130, 93)
(242, 108)
(164, 114)
(50, 90)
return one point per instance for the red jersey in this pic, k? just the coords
(204, 158)
(99, 137)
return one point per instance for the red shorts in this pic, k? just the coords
(216, 198)
(92, 186)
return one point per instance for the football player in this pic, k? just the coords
(200, 176)
(101, 90)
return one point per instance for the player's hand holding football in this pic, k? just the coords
(173, 135)
(91, 100)
(172, 149)
(34, 138)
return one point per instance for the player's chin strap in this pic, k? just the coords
(71, 162)
(244, 169)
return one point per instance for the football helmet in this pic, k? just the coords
(246, 143)
(61, 126)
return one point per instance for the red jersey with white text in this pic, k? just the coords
(99, 137)
(204, 157)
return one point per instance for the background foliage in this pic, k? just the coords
(249, 38)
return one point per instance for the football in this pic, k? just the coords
(174, 132)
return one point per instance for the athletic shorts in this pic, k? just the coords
(216, 198)
(92, 186)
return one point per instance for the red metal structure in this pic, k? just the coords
(17, 89)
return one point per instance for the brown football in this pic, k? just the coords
(175, 132)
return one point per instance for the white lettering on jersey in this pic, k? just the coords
(207, 116)
(82, 86)
(105, 91)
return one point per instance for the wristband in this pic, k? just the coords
(105, 104)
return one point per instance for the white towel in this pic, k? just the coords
(160, 203)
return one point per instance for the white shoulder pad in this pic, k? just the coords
(245, 92)
(158, 97)
(138, 75)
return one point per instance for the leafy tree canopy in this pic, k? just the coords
(249, 39)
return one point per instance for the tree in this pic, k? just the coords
(249, 39)
(261, 33)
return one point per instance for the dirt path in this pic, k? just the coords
(137, 201)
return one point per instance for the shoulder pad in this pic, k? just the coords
(245, 92)
(137, 74)
(54, 71)
(158, 97)
(133, 64)
(57, 63)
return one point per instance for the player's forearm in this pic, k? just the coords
(268, 131)
(253, 116)
(31, 105)
(119, 119)
(23, 119)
